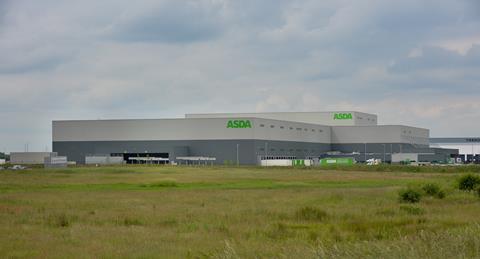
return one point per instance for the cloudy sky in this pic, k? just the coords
(414, 62)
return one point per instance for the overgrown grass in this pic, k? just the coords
(229, 212)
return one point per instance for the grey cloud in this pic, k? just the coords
(41, 65)
(438, 58)
(113, 59)
(171, 22)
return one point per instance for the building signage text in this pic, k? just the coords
(342, 116)
(239, 124)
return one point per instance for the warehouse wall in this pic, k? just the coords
(320, 118)
(186, 129)
(379, 134)
(29, 157)
(223, 150)
(468, 146)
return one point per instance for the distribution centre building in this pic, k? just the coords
(468, 147)
(244, 137)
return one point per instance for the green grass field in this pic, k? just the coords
(223, 212)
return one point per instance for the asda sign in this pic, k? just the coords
(239, 124)
(342, 116)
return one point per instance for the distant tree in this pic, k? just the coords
(4, 156)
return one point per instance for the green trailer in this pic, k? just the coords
(337, 161)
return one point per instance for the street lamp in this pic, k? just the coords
(384, 160)
(365, 152)
(237, 155)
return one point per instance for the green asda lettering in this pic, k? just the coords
(239, 124)
(342, 116)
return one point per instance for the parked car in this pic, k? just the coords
(18, 167)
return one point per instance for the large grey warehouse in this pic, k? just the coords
(244, 137)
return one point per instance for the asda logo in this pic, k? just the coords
(239, 124)
(342, 116)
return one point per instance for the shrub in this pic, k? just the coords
(410, 195)
(412, 210)
(60, 220)
(311, 213)
(129, 221)
(161, 184)
(431, 189)
(478, 192)
(440, 194)
(468, 182)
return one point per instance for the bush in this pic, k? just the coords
(410, 195)
(310, 213)
(431, 189)
(478, 192)
(468, 182)
(161, 184)
(60, 220)
(440, 194)
(129, 221)
(412, 210)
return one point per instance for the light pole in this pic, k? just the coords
(384, 153)
(365, 152)
(266, 148)
(238, 162)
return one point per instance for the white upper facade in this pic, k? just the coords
(188, 129)
(333, 118)
(344, 128)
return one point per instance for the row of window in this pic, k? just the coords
(473, 139)
(291, 150)
(291, 128)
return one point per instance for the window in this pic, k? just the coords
(313, 130)
(320, 131)
(291, 128)
(262, 125)
(272, 126)
(282, 127)
(299, 128)
(473, 139)
(306, 129)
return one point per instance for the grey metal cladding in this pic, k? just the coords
(138, 130)
(320, 118)
(187, 129)
(223, 150)
(379, 134)
(269, 129)
(29, 157)
(463, 140)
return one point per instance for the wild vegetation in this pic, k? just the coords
(228, 212)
